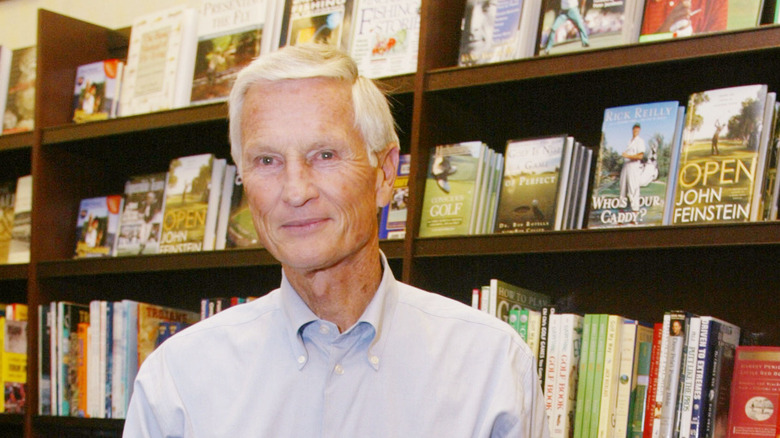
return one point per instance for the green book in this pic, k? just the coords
(593, 396)
(638, 398)
(451, 189)
(587, 341)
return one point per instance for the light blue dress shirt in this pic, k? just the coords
(416, 364)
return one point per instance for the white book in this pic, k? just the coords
(159, 68)
(767, 134)
(215, 191)
(553, 350)
(627, 343)
(228, 183)
(567, 374)
(5, 74)
(54, 362)
(688, 376)
(385, 44)
(563, 181)
(118, 360)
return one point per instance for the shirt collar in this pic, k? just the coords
(378, 315)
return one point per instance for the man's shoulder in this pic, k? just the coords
(449, 312)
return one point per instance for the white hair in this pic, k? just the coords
(373, 118)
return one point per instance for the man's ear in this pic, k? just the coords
(386, 170)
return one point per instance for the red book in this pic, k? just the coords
(655, 359)
(755, 393)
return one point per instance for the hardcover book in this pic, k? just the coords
(452, 188)
(155, 324)
(96, 91)
(5, 74)
(141, 222)
(719, 157)
(492, 31)
(187, 201)
(69, 316)
(392, 223)
(19, 115)
(241, 231)
(755, 393)
(19, 247)
(505, 297)
(230, 36)
(632, 171)
(665, 20)
(571, 25)
(158, 73)
(532, 185)
(14, 365)
(385, 37)
(7, 195)
(97, 225)
(567, 374)
(314, 21)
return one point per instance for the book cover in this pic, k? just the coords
(229, 38)
(19, 247)
(184, 227)
(573, 25)
(19, 115)
(313, 21)
(159, 70)
(241, 231)
(96, 91)
(451, 189)
(392, 223)
(632, 169)
(385, 37)
(97, 225)
(755, 392)
(7, 196)
(531, 185)
(505, 296)
(665, 20)
(491, 32)
(719, 155)
(155, 324)
(141, 222)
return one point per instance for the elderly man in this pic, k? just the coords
(341, 349)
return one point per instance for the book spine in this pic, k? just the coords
(652, 383)
(673, 372)
(687, 376)
(541, 360)
(570, 338)
(627, 343)
(610, 377)
(639, 398)
(593, 407)
(702, 380)
(587, 338)
(552, 365)
(534, 322)
(523, 324)
(662, 372)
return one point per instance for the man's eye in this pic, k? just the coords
(326, 155)
(266, 161)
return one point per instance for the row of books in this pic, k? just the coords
(15, 220)
(13, 357)
(197, 205)
(89, 354)
(607, 375)
(503, 31)
(659, 163)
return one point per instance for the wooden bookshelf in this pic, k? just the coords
(724, 270)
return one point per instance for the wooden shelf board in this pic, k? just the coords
(701, 46)
(174, 262)
(762, 233)
(22, 140)
(14, 271)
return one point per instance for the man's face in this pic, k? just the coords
(311, 189)
(480, 22)
(636, 130)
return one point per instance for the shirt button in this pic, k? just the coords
(324, 329)
(374, 360)
(338, 369)
(301, 359)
